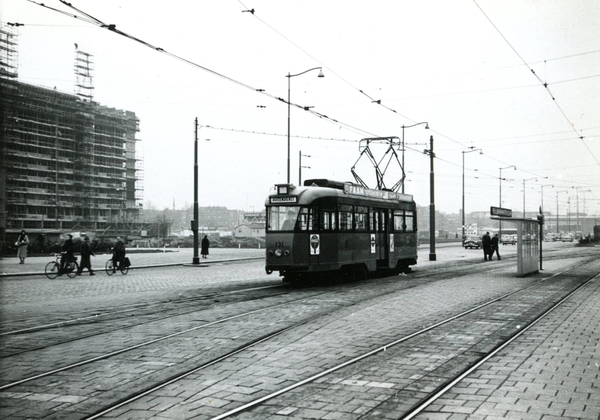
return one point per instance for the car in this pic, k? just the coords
(567, 238)
(472, 243)
(509, 239)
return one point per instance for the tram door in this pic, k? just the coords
(381, 222)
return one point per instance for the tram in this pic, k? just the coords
(327, 227)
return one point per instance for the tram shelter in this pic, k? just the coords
(529, 240)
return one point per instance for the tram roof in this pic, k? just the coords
(319, 188)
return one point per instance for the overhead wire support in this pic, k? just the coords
(112, 27)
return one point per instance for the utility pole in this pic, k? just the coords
(196, 259)
(432, 255)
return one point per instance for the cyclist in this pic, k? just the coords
(68, 249)
(118, 254)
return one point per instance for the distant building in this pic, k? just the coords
(253, 226)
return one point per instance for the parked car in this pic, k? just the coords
(509, 239)
(472, 243)
(567, 238)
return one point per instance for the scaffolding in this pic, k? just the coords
(9, 58)
(68, 162)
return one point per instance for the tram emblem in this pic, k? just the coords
(315, 244)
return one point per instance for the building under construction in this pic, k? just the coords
(67, 163)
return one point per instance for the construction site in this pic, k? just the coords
(67, 163)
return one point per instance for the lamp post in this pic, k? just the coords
(500, 197)
(432, 256)
(472, 149)
(195, 258)
(557, 192)
(300, 166)
(409, 126)
(577, 198)
(289, 76)
(529, 179)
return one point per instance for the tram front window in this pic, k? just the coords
(282, 217)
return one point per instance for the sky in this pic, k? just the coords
(503, 84)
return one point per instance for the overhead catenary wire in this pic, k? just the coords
(543, 83)
(94, 21)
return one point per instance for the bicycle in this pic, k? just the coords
(53, 270)
(122, 267)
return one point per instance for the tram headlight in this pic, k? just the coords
(278, 252)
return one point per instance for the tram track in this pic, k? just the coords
(330, 370)
(324, 313)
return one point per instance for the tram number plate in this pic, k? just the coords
(279, 244)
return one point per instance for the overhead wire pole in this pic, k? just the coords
(432, 255)
(196, 259)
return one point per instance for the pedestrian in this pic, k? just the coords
(68, 251)
(487, 246)
(86, 254)
(494, 247)
(21, 244)
(204, 247)
(118, 254)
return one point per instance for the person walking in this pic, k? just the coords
(494, 247)
(22, 244)
(118, 254)
(487, 246)
(204, 246)
(68, 251)
(86, 254)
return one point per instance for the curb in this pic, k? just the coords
(204, 264)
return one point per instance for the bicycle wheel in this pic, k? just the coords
(51, 270)
(124, 270)
(72, 269)
(109, 267)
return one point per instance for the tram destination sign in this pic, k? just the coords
(499, 211)
(284, 200)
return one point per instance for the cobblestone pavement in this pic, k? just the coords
(550, 373)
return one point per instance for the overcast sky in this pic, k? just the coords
(518, 79)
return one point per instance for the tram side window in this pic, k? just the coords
(409, 220)
(374, 219)
(361, 218)
(345, 217)
(306, 220)
(327, 220)
(399, 225)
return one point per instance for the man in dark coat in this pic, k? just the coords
(487, 246)
(494, 247)
(86, 254)
(204, 246)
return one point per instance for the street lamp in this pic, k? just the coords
(577, 198)
(409, 126)
(300, 166)
(528, 179)
(472, 149)
(289, 76)
(500, 197)
(432, 255)
(557, 229)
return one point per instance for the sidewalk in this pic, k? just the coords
(140, 258)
